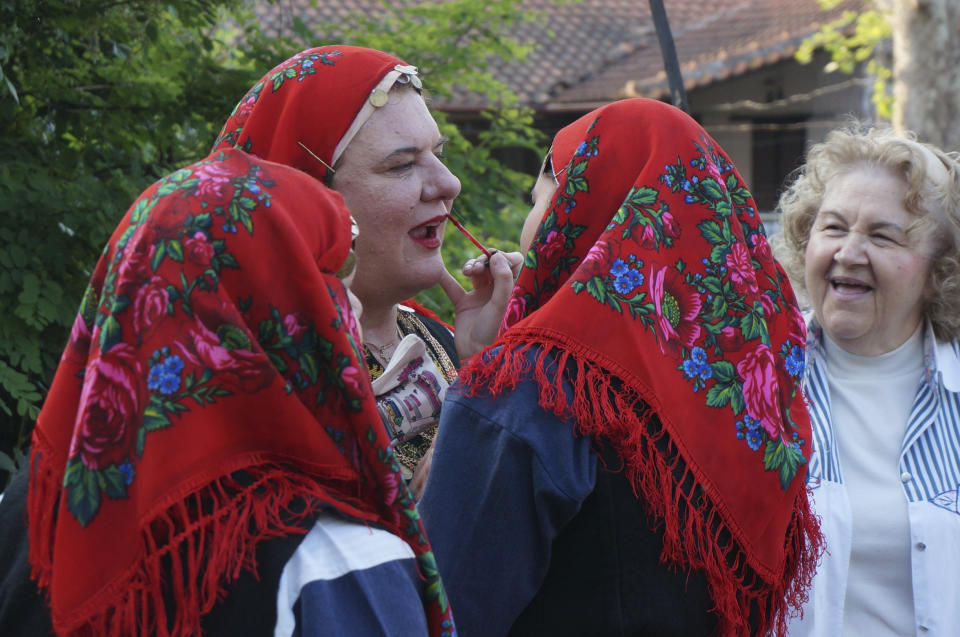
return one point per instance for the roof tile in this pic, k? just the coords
(602, 50)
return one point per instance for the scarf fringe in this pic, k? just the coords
(194, 549)
(695, 535)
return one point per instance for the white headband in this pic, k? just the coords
(376, 99)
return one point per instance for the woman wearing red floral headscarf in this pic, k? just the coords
(354, 118)
(210, 458)
(629, 457)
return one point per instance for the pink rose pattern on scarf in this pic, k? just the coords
(691, 308)
(216, 356)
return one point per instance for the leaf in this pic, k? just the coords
(246, 221)
(711, 231)
(233, 337)
(783, 457)
(119, 303)
(621, 215)
(158, 255)
(110, 333)
(597, 289)
(718, 307)
(737, 403)
(712, 284)
(154, 417)
(7, 464)
(753, 326)
(643, 196)
(83, 492)
(740, 196)
(278, 362)
(12, 89)
(718, 253)
(139, 212)
(175, 250)
(166, 188)
(530, 259)
(226, 259)
(203, 220)
(723, 372)
(713, 190)
(578, 168)
(577, 184)
(113, 482)
(719, 395)
(141, 439)
(31, 289)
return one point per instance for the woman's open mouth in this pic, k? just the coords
(428, 234)
(849, 288)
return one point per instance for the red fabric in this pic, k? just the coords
(650, 279)
(213, 339)
(311, 98)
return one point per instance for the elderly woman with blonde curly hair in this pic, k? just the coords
(871, 234)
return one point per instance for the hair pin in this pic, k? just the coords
(312, 154)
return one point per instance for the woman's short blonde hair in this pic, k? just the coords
(933, 195)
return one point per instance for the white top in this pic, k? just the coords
(928, 470)
(870, 430)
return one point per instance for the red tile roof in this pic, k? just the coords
(603, 50)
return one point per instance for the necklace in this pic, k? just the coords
(383, 351)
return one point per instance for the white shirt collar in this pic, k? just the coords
(943, 357)
(940, 358)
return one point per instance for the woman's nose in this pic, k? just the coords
(851, 250)
(440, 183)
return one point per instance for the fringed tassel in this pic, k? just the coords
(43, 497)
(695, 536)
(191, 552)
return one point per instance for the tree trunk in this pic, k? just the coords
(926, 70)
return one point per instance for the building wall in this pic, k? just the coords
(778, 103)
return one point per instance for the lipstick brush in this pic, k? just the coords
(469, 236)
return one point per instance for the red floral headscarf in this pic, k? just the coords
(311, 103)
(211, 396)
(651, 281)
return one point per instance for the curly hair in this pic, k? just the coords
(933, 196)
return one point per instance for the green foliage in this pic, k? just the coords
(851, 40)
(100, 98)
(456, 44)
(97, 99)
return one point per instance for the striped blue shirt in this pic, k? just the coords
(931, 446)
(929, 466)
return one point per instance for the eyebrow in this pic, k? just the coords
(413, 150)
(879, 225)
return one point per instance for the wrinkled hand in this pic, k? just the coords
(478, 313)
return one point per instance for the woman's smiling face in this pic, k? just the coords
(393, 181)
(865, 273)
